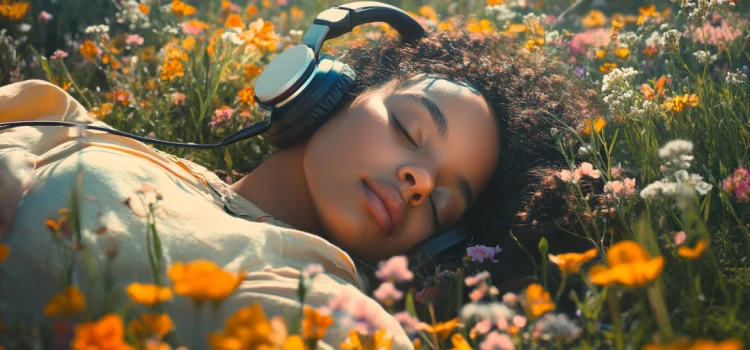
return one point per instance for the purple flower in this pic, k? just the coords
(580, 71)
(58, 55)
(396, 269)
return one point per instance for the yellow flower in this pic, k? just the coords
(89, 51)
(182, 9)
(700, 344)
(356, 341)
(171, 70)
(428, 12)
(144, 8)
(68, 303)
(96, 112)
(622, 53)
(459, 342)
(483, 26)
(247, 95)
(646, 12)
(533, 44)
(442, 330)
(607, 67)
(107, 333)
(494, 2)
(629, 265)
(297, 14)
(693, 253)
(203, 280)
(678, 103)
(156, 324)
(600, 54)
(315, 324)
(250, 71)
(175, 54)
(189, 43)
(537, 301)
(679, 344)
(248, 328)
(594, 18)
(234, 21)
(516, 28)
(616, 24)
(597, 125)
(4, 252)
(148, 294)
(571, 262)
(445, 25)
(294, 342)
(15, 11)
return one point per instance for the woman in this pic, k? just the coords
(453, 128)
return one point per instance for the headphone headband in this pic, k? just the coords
(342, 19)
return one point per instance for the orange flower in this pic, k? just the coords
(171, 70)
(516, 28)
(607, 67)
(4, 252)
(445, 26)
(629, 265)
(248, 328)
(203, 280)
(246, 95)
(594, 18)
(148, 294)
(646, 12)
(98, 113)
(156, 324)
(89, 50)
(260, 34)
(571, 262)
(107, 333)
(537, 301)
(296, 14)
(483, 26)
(15, 11)
(442, 330)
(650, 51)
(68, 303)
(182, 9)
(533, 44)
(693, 253)
(252, 10)
(678, 103)
(597, 125)
(356, 341)
(234, 21)
(600, 54)
(494, 2)
(315, 324)
(144, 8)
(250, 71)
(622, 53)
(459, 342)
(189, 43)
(428, 12)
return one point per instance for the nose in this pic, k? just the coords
(420, 183)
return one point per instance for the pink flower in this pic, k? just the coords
(566, 175)
(679, 237)
(496, 341)
(282, 2)
(483, 327)
(191, 28)
(481, 252)
(407, 322)
(580, 42)
(478, 293)
(519, 321)
(510, 299)
(221, 116)
(58, 55)
(629, 186)
(502, 323)
(387, 293)
(620, 190)
(474, 280)
(586, 169)
(738, 183)
(396, 269)
(616, 171)
(716, 31)
(178, 98)
(134, 39)
(45, 16)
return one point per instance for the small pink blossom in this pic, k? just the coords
(282, 2)
(679, 237)
(481, 252)
(191, 28)
(396, 269)
(58, 55)
(407, 322)
(178, 98)
(616, 171)
(510, 299)
(478, 293)
(519, 321)
(566, 175)
(586, 169)
(502, 323)
(45, 16)
(134, 39)
(738, 184)
(497, 341)
(483, 327)
(221, 116)
(387, 293)
(474, 280)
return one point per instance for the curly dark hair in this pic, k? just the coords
(524, 89)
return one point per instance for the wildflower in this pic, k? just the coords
(736, 78)
(480, 252)
(145, 9)
(234, 21)
(45, 16)
(426, 295)
(442, 330)
(148, 294)
(629, 265)
(178, 98)
(134, 39)
(106, 333)
(482, 26)
(182, 9)
(646, 13)
(15, 11)
(496, 340)
(594, 18)
(678, 103)
(381, 340)
(171, 70)
(554, 327)
(459, 343)
(670, 39)
(194, 27)
(68, 303)
(58, 55)
(232, 37)
(296, 14)
(260, 34)
(580, 42)
(203, 280)
(248, 328)
(622, 53)
(570, 263)
(536, 301)
(387, 293)
(739, 184)
(313, 269)
(695, 252)
(607, 67)
(151, 324)
(597, 125)
(89, 51)
(102, 111)
(250, 71)
(704, 57)
(474, 280)
(679, 237)
(586, 169)
(600, 54)
(407, 322)
(252, 10)
(396, 269)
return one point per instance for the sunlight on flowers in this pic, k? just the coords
(695, 252)
(629, 265)
(15, 11)
(315, 324)
(157, 325)
(106, 333)
(203, 280)
(148, 294)
(537, 301)
(570, 263)
(442, 329)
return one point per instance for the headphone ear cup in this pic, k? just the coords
(322, 110)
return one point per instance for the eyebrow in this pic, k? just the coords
(438, 118)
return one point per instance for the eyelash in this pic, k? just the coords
(405, 133)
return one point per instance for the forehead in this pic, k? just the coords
(472, 144)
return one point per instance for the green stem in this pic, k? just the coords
(614, 309)
(561, 288)
(656, 301)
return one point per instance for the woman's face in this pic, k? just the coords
(441, 161)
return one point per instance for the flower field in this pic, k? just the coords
(659, 185)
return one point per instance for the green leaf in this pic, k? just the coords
(410, 303)
(228, 159)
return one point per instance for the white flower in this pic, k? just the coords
(618, 78)
(704, 57)
(100, 29)
(670, 39)
(736, 78)
(658, 189)
(232, 37)
(552, 37)
(24, 27)
(676, 148)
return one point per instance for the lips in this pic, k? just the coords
(389, 198)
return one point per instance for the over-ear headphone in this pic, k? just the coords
(301, 89)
